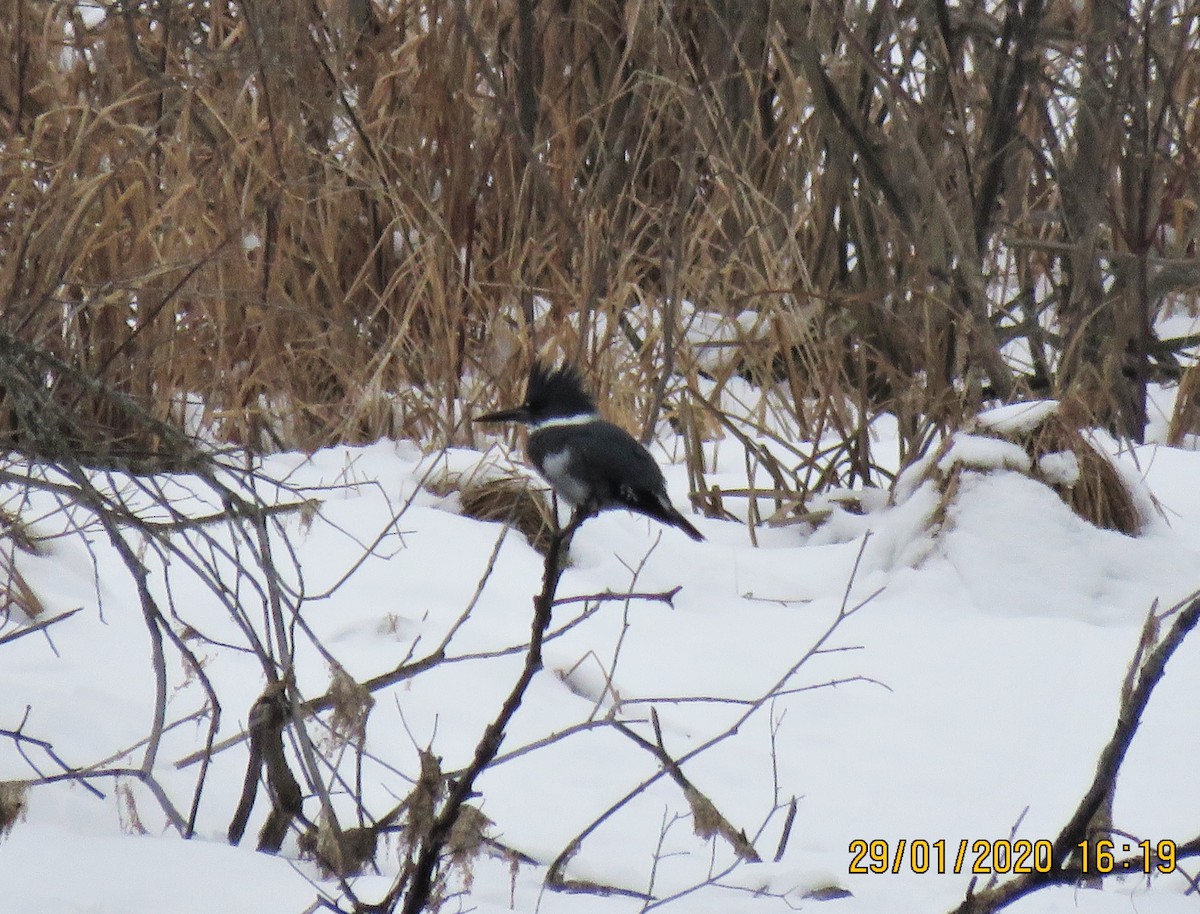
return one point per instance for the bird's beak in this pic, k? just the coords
(517, 414)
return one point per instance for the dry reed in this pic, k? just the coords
(330, 222)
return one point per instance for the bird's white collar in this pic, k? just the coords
(563, 421)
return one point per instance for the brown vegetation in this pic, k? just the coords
(319, 222)
(284, 224)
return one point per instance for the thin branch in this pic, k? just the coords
(1186, 615)
(47, 747)
(38, 626)
(433, 842)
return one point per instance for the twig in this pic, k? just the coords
(554, 876)
(610, 674)
(19, 737)
(663, 596)
(433, 842)
(1187, 614)
(38, 626)
(707, 819)
(401, 673)
(786, 834)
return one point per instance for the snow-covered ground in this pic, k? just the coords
(967, 700)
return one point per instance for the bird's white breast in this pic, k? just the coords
(556, 469)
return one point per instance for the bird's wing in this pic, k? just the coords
(617, 458)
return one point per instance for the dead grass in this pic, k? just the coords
(1099, 495)
(1185, 420)
(12, 805)
(15, 590)
(1092, 487)
(333, 229)
(503, 498)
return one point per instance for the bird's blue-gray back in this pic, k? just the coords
(605, 459)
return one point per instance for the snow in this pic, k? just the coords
(983, 453)
(1017, 418)
(967, 696)
(1060, 468)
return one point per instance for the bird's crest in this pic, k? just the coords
(557, 391)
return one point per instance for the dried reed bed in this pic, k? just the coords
(1185, 420)
(1099, 495)
(503, 496)
(1051, 450)
(335, 221)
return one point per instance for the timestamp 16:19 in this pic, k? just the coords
(1100, 856)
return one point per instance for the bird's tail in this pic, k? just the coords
(678, 520)
(658, 506)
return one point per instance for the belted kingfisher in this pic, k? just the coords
(591, 464)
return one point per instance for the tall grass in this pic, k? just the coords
(335, 221)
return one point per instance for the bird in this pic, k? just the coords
(591, 464)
